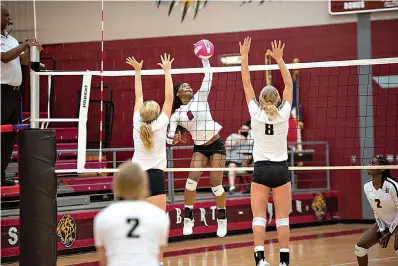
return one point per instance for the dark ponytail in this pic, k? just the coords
(177, 104)
(177, 101)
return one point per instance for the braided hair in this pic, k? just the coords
(177, 104)
(383, 161)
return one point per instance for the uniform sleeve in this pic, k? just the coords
(98, 232)
(172, 129)
(284, 110)
(164, 236)
(394, 196)
(204, 89)
(254, 108)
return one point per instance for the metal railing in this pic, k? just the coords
(171, 156)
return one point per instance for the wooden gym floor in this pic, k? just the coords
(331, 245)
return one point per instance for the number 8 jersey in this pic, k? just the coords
(269, 135)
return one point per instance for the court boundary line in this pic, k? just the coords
(378, 259)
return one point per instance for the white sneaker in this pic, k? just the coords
(188, 226)
(282, 264)
(263, 263)
(222, 227)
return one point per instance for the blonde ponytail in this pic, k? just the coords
(271, 109)
(146, 135)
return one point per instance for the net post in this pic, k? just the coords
(34, 87)
(170, 174)
(38, 197)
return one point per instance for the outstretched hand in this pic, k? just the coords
(245, 47)
(132, 62)
(277, 50)
(166, 62)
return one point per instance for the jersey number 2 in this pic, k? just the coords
(269, 129)
(134, 222)
(378, 203)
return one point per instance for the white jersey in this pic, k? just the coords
(132, 233)
(270, 135)
(195, 116)
(156, 157)
(384, 203)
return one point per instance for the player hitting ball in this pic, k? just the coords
(191, 112)
(130, 231)
(270, 125)
(382, 194)
(149, 132)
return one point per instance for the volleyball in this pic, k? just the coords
(204, 49)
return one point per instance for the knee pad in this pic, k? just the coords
(396, 252)
(360, 252)
(191, 185)
(259, 221)
(282, 222)
(218, 190)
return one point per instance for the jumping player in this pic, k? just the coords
(130, 231)
(149, 132)
(270, 124)
(382, 194)
(191, 112)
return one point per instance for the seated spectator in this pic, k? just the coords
(239, 147)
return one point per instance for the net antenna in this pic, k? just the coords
(102, 84)
(297, 108)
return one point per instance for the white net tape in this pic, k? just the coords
(85, 96)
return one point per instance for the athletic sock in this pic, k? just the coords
(188, 211)
(284, 255)
(259, 254)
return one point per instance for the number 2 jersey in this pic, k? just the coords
(384, 202)
(131, 233)
(269, 135)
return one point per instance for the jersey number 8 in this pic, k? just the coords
(269, 129)
(134, 222)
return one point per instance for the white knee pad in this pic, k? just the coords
(360, 252)
(191, 185)
(282, 222)
(259, 221)
(218, 190)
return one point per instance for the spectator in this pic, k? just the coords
(239, 147)
(13, 55)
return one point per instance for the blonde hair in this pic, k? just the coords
(148, 112)
(269, 99)
(130, 182)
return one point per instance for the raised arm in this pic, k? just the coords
(139, 98)
(277, 54)
(168, 91)
(247, 84)
(204, 89)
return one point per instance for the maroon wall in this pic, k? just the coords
(329, 96)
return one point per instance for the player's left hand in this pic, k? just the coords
(245, 47)
(166, 62)
(385, 239)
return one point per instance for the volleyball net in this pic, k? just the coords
(344, 113)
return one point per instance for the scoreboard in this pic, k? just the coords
(340, 7)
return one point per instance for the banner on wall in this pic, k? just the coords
(341, 7)
(75, 230)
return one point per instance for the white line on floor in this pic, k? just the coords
(350, 263)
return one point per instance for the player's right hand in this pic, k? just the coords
(277, 50)
(132, 62)
(166, 62)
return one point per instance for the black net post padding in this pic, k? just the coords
(38, 198)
